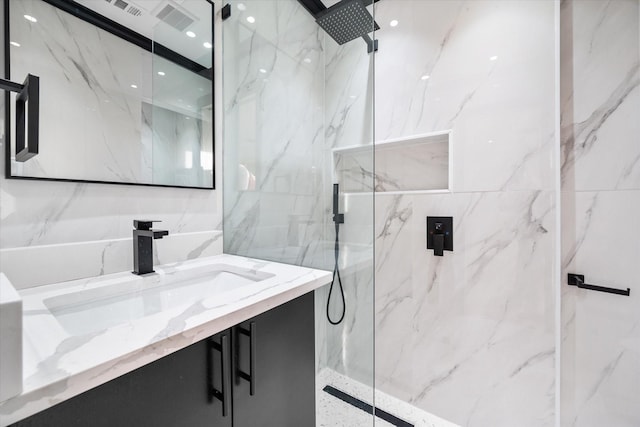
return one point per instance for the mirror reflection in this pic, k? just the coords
(111, 110)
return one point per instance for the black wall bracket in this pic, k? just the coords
(440, 234)
(578, 280)
(27, 115)
(226, 12)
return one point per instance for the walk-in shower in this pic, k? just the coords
(473, 337)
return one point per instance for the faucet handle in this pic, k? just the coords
(144, 224)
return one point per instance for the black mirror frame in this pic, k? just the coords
(124, 33)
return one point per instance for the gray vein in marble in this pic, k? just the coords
(53, 217)
(604, 375)
(529, 155)
(536, 358)
(384, 310)
(383, 182)
(583, 135)
(431, 67)
(435, 382)
(573, 250)
(195, 253)
(179, 323)
(51, 363)
(594, 33)
(394, 215)
(628, 170)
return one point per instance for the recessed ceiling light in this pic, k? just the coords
(161, 73)
(425, 77)
(30, 18)
(207, 45)
(241, 6)
(134, 86)
(190, 34)
(493, 58)
(251, 19)
(394, 23)
(16, 44)
(307, 60)
(262, 70)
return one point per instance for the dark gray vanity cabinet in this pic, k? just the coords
(275, 351)
(284, 359)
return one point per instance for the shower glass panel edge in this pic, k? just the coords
(293, 101)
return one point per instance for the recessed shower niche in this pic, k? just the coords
(418, 163)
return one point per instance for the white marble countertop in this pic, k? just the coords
(59, 365)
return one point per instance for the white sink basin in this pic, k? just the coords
(128, 298)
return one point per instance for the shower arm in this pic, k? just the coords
(27, 106)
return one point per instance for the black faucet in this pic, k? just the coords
(143, 237)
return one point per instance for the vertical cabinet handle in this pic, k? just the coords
(223, 394)
(251, 376)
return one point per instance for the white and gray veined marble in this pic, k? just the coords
(600, 92)
(467, 335)
(60, 364)
(470, 336)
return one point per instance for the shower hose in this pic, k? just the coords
(336, 273)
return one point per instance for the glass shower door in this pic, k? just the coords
(294, 103)
(465, 129)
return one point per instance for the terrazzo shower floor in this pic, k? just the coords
(332, 411)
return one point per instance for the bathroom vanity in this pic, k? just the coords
(218, 341)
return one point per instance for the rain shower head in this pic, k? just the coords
(346, 21)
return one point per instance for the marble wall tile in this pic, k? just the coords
(469, 336)
(461, 336)
(600, 338)
(600, 95)
(489, 81)
(600, 199)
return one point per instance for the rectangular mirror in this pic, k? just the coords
(126, 94)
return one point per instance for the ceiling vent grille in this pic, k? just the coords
(174, 17)
(134, 11)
